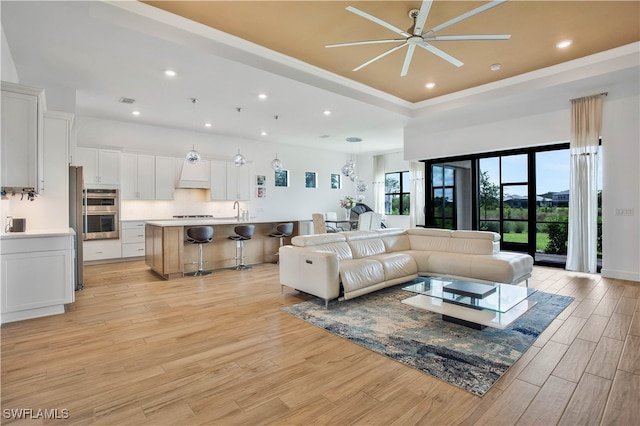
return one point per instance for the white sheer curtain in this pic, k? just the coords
(416, 177)
(378, 184)
(586, 118)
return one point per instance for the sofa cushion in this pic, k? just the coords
(366, 247)
(397, 265)
(360, 273)
(477, 235)
(451, 245)
(430, 232)
(393, 243)
(422, 260)
(342, 249)
(503, 267)
(443, 263)
(317, 239)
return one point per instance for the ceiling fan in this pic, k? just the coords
(414, 36)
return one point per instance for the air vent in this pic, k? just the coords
(126, 100)
(353, 139)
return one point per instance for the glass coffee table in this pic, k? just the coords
(469, 303)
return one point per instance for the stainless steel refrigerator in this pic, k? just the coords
(76, 194)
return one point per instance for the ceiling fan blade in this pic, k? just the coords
(357, 43)
(442, 54)
(467, 15)
(469, 37)
(422, 16)
(378, 21)
(380, 56)
(407, 60)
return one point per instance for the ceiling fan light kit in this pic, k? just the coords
(415, 37)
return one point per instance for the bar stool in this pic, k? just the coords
(200, 235)
(282, 230)
(243, 233)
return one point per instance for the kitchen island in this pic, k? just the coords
(168, 253)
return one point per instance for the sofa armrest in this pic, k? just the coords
(313, 272)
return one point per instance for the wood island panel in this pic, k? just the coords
(168, 253)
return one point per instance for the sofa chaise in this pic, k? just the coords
(348, 264)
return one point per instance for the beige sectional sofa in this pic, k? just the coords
(348, 264)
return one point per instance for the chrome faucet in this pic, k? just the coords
(237, 204)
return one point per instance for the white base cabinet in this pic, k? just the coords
(102, 249)
(37, 276)
(132, 238)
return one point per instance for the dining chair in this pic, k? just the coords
(376, 220)
(364, 220)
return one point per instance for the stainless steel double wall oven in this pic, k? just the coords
(101, 208)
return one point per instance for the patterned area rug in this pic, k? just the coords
(470, 359)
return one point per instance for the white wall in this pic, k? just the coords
(8, 70)
(621, 156)
(293, 203)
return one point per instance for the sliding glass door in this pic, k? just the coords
(522, 194)
(504, 199)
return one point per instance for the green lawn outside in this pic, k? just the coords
(542, 239)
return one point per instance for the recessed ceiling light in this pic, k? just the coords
(495, 67)
(170, 73)
(263, 133)
(136, 113)
(262, 96)
(430, 85)
(563, 44)
(326, 112)
(207, 124)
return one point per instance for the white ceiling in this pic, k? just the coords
(105, 51)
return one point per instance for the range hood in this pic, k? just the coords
(195, 175)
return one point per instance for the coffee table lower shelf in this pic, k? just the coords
(474, 316)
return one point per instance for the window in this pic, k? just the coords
(522, 194)
(443, 185)
(397, 190)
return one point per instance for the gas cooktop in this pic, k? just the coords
(192, 216)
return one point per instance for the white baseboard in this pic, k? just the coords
(620, 275)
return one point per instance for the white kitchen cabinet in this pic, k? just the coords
(165, 173)
(101, 166)
(137, 176)
(21, 135)
(37, 275)
(102, 249)
(132, 238)
(55, 153)
(229, 182)
(218, 180)
(238, 182)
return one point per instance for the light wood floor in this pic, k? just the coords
(135, 349)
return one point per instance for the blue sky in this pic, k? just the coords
(552, 171)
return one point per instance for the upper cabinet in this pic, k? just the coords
(218, 180)
(21, 122)
(137, 177)
(165, 178)
(101, 166)
(238, 182)
(229, 182)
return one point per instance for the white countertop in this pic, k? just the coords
(37, 233)
(211, 221)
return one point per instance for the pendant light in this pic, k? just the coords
(276, 164)
(193, 156)
(239, 159)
